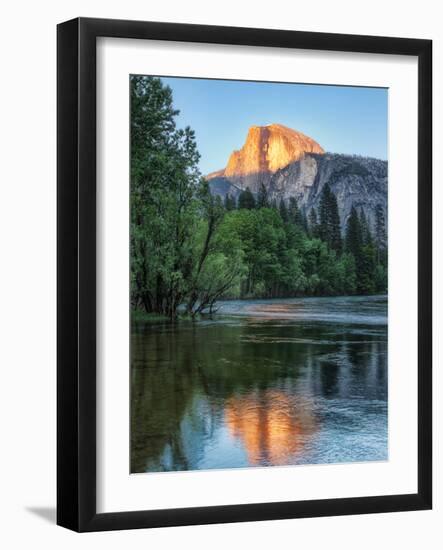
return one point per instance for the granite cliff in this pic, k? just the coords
(289, 164)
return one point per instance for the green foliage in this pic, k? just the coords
(313, 229)
(230, 202)
(303, 223)
(189, 248)
(326, 273)
(164, 209)
(169, 200)
(294, 211)
(353, 239)
(262, 197)
(283, 211)
(365, 230)
(329, 223)
(246, 199)
(371, 273)
(381, 278)
(219, 267)
(380, 236)
(260, 235)
(366, 273)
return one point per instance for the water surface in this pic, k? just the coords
(262, 383)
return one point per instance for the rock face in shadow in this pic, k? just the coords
(290, 164)
(356, 181)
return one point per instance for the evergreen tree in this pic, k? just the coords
(335, 240)
(381, 278)
(380, 234)
(329, 223)
(304, 220)
(354, 244)
(230, 202)
(246, 199)
(313, 223)
(365, 229)
(283, 211)
(294, 213)
(359, 244)
(323, 214)
(353, 236)
(189, 248)
(262, 197)
(366, 270)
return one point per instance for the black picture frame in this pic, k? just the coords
(76, 266)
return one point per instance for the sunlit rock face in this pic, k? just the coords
(289, 164)
(266, 150)
(269, 148)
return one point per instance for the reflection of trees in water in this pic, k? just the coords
(168, 406)
(160, 393)
(354, 368)
(261, 380)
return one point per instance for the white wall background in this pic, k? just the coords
(27, 274)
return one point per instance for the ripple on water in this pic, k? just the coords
(274, 385)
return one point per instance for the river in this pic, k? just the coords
(261, 383)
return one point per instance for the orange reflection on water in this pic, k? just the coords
(272, 426)
(272, 311)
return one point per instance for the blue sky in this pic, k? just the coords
(341, 119)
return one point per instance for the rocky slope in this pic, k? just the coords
(290, 164)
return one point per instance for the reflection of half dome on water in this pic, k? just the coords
(271, 425)
(242, 390)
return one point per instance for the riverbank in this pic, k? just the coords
(337, 309)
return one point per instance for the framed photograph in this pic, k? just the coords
(244, 274)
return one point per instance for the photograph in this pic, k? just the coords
(258, 274)
(221, 221)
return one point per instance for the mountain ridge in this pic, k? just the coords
(355, 180)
